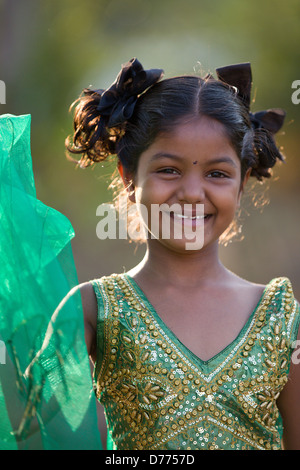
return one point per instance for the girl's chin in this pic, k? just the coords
(187, 234)
(182, 245)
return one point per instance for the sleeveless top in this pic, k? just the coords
(158, 395)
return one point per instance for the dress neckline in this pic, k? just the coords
(185, 349)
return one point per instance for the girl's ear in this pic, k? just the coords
(127, 179)
(243, 184)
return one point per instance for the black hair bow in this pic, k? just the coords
(239, 76)
(118, 101)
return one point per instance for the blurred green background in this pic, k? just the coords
(50, 50)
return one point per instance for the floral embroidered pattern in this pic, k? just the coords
(157, 395)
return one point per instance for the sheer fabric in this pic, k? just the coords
(46, 396)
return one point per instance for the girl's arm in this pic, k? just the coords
(89, 305)
(90, 312)
(289, 404)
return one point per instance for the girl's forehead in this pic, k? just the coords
(195, 127)
(195, 139)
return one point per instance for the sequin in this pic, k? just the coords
(158, 395)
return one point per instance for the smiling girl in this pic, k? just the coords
(187, 354)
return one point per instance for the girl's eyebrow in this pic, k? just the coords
(158, 155)
(222, 159)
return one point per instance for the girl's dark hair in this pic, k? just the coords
(163, 106)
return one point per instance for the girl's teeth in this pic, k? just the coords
(181, 216)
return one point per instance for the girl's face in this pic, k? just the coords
(193, 164)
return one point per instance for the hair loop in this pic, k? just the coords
(101, 115)
(117, 103)
(267, 154)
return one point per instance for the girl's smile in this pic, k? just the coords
(196, 170)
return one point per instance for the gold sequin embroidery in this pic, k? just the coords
(158, 396)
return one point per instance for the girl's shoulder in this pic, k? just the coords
(276, 296)
(92, 295)
(89, 304)
(280, 299)
(278, 285)
(278, 289)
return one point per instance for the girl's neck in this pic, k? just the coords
(179, 269)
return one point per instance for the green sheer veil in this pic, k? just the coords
(46, 393)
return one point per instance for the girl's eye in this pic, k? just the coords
(217, 174)
(168, 171)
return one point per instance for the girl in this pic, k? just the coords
(187, 354)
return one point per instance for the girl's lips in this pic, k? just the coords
(189, 216)
(189, 219)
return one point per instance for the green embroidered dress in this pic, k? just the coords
(158, 395)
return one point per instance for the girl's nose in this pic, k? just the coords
(192, 189)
